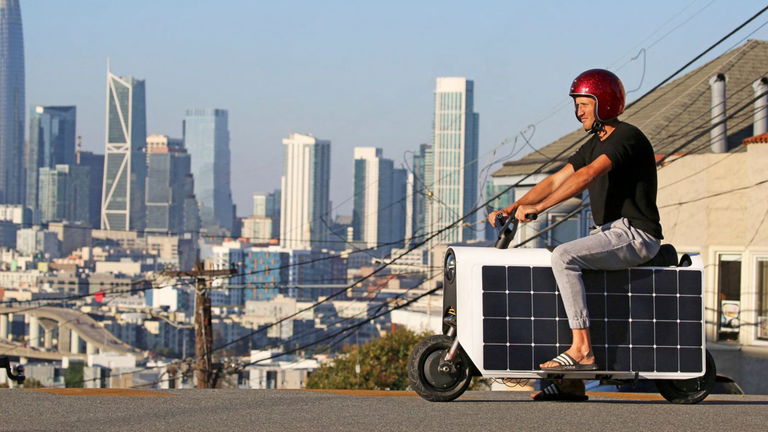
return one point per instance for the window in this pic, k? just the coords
(729, 286)
(566, 231)
(762, 298)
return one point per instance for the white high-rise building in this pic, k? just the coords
(365, 216)
(455, 151)
(305, 210)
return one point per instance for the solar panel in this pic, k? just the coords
(641, 319)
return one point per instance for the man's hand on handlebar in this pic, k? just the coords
(492, 216)
(526, 213)
(505, 212)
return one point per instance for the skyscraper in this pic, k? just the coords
(455, 151)
(122, 204)
(11, 103)
(206, 137)
(51, 142)
(378, 216)
(305, 212)
(63, 193)
(95, 164)
(419, 186)
(169, 185)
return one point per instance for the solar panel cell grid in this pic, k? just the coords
(642, 320)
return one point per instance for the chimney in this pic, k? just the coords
(761, 107)
(718, 135)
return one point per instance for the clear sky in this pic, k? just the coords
(359, 73)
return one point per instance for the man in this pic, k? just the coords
(618, 166)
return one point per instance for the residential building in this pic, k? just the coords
(51, 142)
(32, 241)
(305, 210)
(206, 137)
(72, 235)
(12, 104)
(173, 250)
(257, 229)
(173, 297)
(125, 165)
(263, 226)
(455, 152)
(13, 217)
(15, 213)
(280, 372)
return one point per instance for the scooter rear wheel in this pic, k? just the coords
(425, 377)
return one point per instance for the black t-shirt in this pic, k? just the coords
(629, 189)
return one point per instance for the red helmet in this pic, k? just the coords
(603, 86)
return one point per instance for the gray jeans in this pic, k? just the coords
(613, 246)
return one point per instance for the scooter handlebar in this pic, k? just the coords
(508, 228)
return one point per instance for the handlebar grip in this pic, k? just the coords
(500, 219)
(532, 216)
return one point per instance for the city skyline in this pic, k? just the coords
(268, 95)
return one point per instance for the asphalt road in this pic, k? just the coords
(297, 410)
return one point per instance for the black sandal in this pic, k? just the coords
(552, 392)
(567, 363)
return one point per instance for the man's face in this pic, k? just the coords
(585, 111)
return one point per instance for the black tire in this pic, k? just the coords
(427, 381)
(690, 391)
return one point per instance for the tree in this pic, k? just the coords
(382, 364)
(74, 375)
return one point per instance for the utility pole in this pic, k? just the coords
(203, 328)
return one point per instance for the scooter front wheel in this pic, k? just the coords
(424, 372)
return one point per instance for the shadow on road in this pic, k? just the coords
(610, 401)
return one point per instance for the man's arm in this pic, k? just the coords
(574, 184)
(539, 192)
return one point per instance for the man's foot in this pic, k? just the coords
(571, 360)
(562, 390)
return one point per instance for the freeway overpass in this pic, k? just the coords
(65, 332)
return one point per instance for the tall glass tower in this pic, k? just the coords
(11, 103)
(206, 136)
(419, 187)
(170, 185)
(378, 215)
(122, 203)
(454, 152)
(51, 143)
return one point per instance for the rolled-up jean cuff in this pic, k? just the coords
(578, 323)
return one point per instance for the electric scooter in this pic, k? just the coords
(503, 316)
